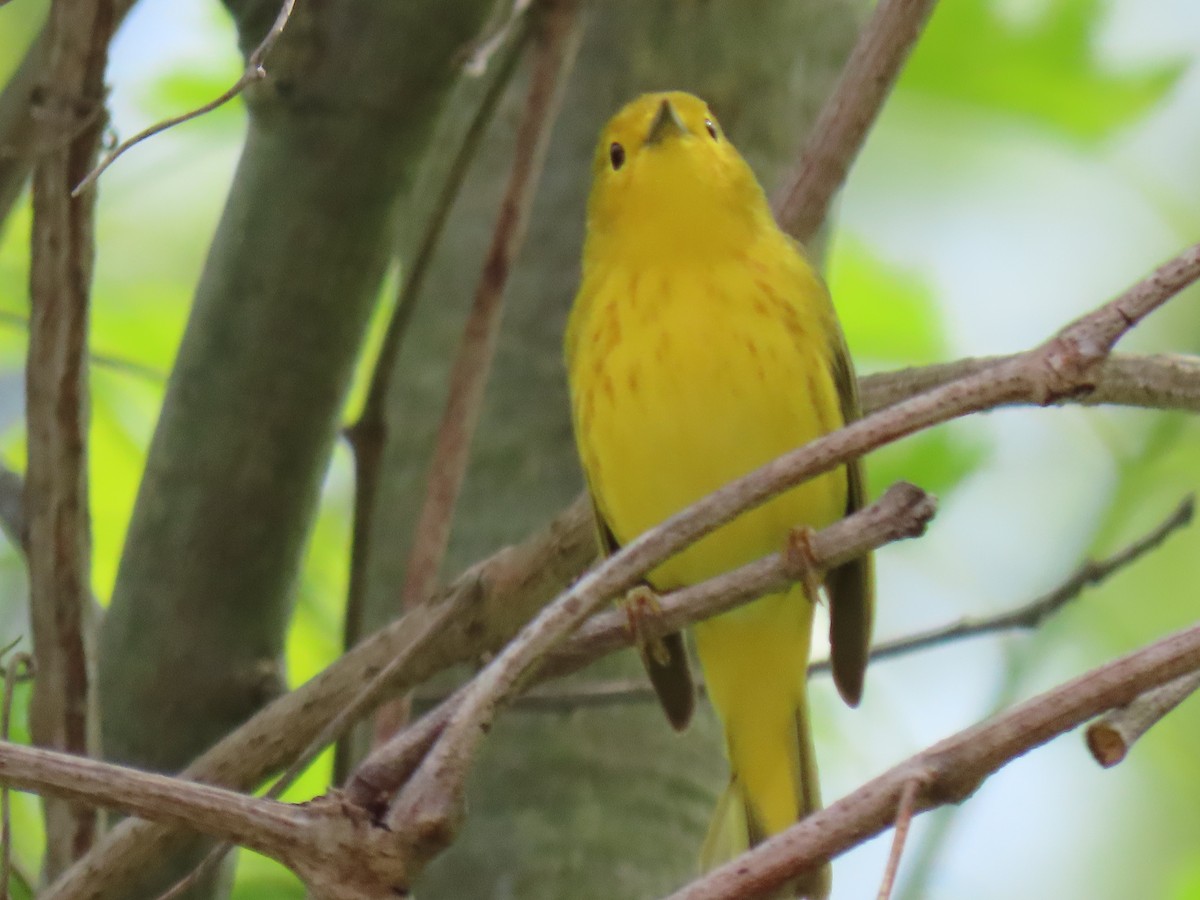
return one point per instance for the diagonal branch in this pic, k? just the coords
(368, 435)
(951, 770)
(431, 805)
(481, 610)
(557, 44)
(874, 64)
(904, 817)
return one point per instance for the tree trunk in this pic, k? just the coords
(192, 641)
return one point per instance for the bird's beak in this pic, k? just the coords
(666, 124)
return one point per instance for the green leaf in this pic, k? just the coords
(1043, 68)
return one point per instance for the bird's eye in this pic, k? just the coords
(616, 153)
(712, 129)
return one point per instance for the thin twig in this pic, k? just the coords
(1032, 614)
(368, 435)
(1112, 736)
(874, 64)
(254, 71)
(431, 805)
(27, 673)
(952, 770)
(904, 817)
(557, 43)
(20, 664)
(556, 47)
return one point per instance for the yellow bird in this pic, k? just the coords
(702, 345)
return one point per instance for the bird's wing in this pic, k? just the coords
(665, 659)
(851, 586)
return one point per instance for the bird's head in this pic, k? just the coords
(667, 181)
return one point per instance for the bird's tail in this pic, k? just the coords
(755, 662)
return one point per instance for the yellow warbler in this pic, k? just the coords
(702, 345)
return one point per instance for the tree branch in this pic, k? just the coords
(326, 840)
(557, 45)
(1032, 614)
(368, 434)
(57, 535)
(263, 825)
(950, 771)
(1156, 381)
(492, 600)
(431, 805)
(882, 47)
(330, 845)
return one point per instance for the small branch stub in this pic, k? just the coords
(1111, 737)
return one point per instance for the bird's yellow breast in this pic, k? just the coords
(689, 373)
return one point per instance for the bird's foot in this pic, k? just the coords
(640, 604)
(801, 561)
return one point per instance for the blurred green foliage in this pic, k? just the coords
(890, 315)
(1038, 62)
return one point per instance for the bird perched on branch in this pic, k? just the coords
(702, 345)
